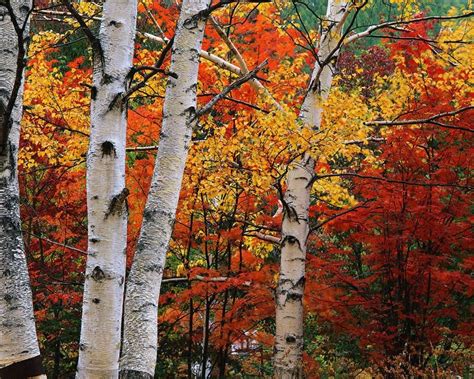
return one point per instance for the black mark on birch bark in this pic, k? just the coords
(118, 203)
(97, 274)
(108, 149)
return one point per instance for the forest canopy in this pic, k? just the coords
(248, 189)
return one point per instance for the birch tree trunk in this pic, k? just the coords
(99, 348)
(143, 285)
(288, 351)
(19, 351)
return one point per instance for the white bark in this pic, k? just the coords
(99, 347)
(295, 228)
(18, 341)
(218, 61)
(143, 285)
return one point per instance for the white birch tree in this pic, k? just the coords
(99, 348)
(19, 350)
(143, 285)
(288, 352)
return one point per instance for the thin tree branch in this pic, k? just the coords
(429, 120)
(373, 28)
(96, 46)
(64, 14)
(259, 87)
(330, 218)
(57, 243)
(202, 278)
(335, 51)
(34, 115)
(237, 83)
(153, 20)
(205, 13)
(265, 237)
(387, 180)
(156, 69)
(142, 148)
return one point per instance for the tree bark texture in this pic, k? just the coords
(143, 285)
(288, 354)
(19, 350)
(99, 348)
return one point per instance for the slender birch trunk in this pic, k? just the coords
(19, 350)
(295, 228)
(99, 348)
(143, 285)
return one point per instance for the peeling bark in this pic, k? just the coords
(99, 347)
(19, 351)
(143, 285)
(288, 354)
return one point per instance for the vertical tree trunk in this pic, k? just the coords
(99, 347)
(295, 228)
(143, 286)
(19, 351)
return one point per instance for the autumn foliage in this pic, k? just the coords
(389, 279)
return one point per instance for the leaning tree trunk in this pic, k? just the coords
(295, 228)
(19, 351)
(99, 348)
(143, 284)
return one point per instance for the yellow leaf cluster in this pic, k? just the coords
(56, 119)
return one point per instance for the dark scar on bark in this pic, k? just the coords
(108, 149)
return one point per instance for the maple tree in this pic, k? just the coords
(398, 267)
(387, 283)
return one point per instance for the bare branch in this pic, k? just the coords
(153, 20)
(373, 28)
(429, 120)
(156, 69)
(237, 83)
(97, 48)
(201, 278)
(207, 12)
(57, 243)
(335, 51)
(265, 237)
(142, 148)
(362, 141)
(222, 63)
(387, 180)
(331, 218)
(64, 14)
(255, 83)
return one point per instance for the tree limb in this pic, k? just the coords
(57, 243)
(254, 82)
(330, 218)
(387, 180)
(155, 69)
(96, 46)
(237, 83)
(373, 28)
(265, 237)
(429, 120)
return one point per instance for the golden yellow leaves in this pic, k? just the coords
(156, 85)
(391, 95)
(56, 118)
(455, 40)
(84, 8)
(259, 248)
